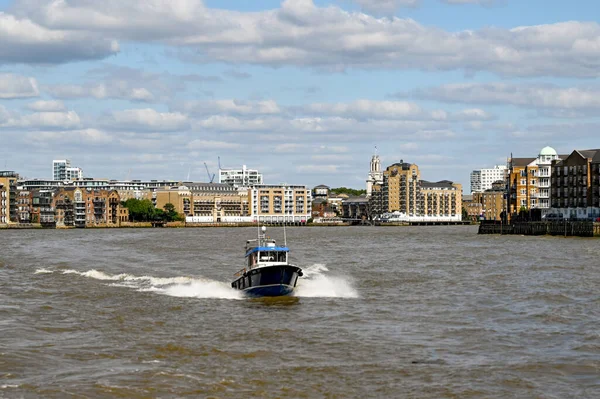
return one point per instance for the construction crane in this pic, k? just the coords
(210, 178)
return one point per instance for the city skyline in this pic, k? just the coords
(302, 91)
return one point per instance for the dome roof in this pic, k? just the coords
(548, 151)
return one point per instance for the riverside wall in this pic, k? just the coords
(559, 228)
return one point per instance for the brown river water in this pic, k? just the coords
(388, 312)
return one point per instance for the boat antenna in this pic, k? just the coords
(284, 236)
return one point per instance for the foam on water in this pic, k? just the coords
(43, 271)
(182, 286)
(316, 283)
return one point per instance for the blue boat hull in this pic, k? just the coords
(271, 290)
(279, 280)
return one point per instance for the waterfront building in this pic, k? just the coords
(401, 189)
(24, 206)
(320, 191)
(522, 186)
(491, 201)
(575, 191)
(403, 196)
(440, 201)
(530, 181)
(8, 197)
(205, 202)
(322, 209)
(473, 207)
(375, 174)
(42, 210)
(356, 208)
(544, 162)
(240, 177)
(86, 208)
(279, 204)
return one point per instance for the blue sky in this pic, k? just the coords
(301, 90)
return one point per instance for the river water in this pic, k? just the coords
(388, 312)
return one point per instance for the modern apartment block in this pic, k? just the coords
(8, 197)
(482, 179)
(575, 192)
(240, 177)
(403, 196)
(278, 204)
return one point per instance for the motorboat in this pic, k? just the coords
(267, 271)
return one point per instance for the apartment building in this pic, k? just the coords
(530, 182)
(401, 189)
(575, 192)
(279, 204)
(86, 208)
(8, 197)
(482, 179)
(522, 187)
(240, 177)
(440, 200)
(473, 208)
(492, 201)
(403, 196)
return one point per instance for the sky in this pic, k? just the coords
(305, 91)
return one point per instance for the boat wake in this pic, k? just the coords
(316, 283)
(184, 287)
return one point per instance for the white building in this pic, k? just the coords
(62, 170)
(482, 179)
(544, 164)
(74, 173)
(375, 174)
(240, 177)
(59, 169)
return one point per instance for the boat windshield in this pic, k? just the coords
(272, 256)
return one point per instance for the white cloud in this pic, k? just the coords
(17, 86)
(479, 2)
(66, 120)
(47, 106)
(302, 34)
(81, 136)
(365, 109)
(116, 89)
(147, 119)
(542, 96)
(386, 6)
(212, 145)
(229, 106)
(24, 41)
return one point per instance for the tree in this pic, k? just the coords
(465, 214)
(140, 210)
(170, 214)
(348, 191)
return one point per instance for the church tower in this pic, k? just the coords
(375, 173)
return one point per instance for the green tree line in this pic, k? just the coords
(348, 191)
(144, 211)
